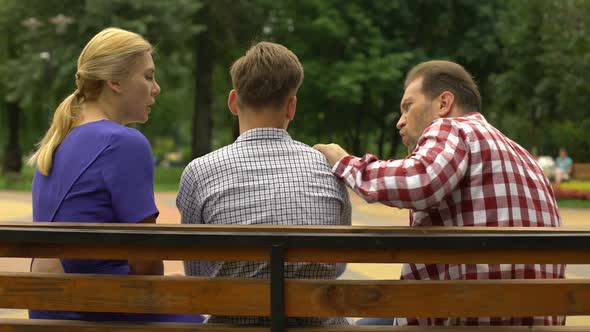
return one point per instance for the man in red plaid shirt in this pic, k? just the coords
(460, 171)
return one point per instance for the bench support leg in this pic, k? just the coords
(277, 289)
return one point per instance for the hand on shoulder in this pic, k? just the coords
(333, 152)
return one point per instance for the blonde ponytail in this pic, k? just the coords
(63, 121)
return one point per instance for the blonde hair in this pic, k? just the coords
(266, 75)
(108, 56)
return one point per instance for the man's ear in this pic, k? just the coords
(115, 86)
(232, 101)
(446, 102)
(291, 107)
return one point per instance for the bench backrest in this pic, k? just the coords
(278, 297)
(581, 170)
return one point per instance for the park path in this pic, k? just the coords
(16, 206)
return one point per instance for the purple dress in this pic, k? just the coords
(102, 172)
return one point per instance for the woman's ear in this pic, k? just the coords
(115, 86)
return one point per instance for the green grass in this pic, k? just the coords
(573, 203)
(165, 179)
(20, 182)
(576, 184)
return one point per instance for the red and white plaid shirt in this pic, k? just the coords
(463, 172)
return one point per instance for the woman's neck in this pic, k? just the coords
(94, 111)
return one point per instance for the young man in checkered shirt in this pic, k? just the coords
(460, 171)
(264, 177)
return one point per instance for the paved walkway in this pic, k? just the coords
(16, 206)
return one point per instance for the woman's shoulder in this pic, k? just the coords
(116, 139)
(125, 146)
(123, 133)
(109, 128)
(116, 134)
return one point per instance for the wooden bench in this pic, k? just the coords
(581, 171)
(282, 298)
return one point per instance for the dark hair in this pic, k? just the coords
(266, 75)
(439, 76)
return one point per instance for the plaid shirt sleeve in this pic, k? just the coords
(419, 181)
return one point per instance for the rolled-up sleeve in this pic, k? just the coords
(419, 181)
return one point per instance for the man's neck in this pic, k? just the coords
(252, 120)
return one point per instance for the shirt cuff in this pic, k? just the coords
(342, 167)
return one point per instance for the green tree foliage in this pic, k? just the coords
(351, 70)
(356, 53)
(540, 94)
(40, 58)
(530, 58)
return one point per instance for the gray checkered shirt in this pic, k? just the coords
(264, 177)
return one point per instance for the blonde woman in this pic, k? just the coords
(92, 168)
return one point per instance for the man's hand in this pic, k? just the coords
(333, 152)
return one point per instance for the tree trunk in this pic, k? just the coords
(12, 162)
(203, 73)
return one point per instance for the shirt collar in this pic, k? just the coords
(475, 115)
(264, 134)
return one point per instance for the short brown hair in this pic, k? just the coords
(439, 76)
(266, 75)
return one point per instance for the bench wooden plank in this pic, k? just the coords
(38, 325)
(386, 245)
(141, 294)
(45, 325)
(581, 170)
(471, 298)
(448, 256)
(313, 229)
(304, 298)
(440, 256)
(42, 250)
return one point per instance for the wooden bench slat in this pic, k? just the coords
(474, 256)
(439, 256)
(38, 325)
(141, 294)
(20, 250)
(89, 250)
(314, 229)
(304, 298)
(471, 298)
(443, 329)
(47, 325)
(581, 170)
